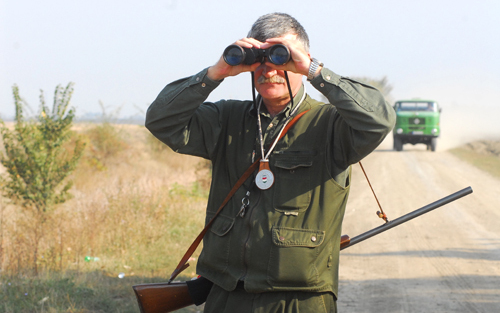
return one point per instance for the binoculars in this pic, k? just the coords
(277, 54)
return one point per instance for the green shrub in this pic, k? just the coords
(39, 156)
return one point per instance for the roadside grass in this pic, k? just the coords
(94, 291)
(486, 162)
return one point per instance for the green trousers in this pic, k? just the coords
(240, 301)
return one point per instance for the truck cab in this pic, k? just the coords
(417, 121)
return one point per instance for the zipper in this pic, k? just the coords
(248, 218)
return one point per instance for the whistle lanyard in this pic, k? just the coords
(265, 157)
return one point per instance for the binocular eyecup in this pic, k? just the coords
(235, 55)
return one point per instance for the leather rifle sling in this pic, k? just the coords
(183, 263)
(380, 213)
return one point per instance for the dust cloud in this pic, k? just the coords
(461, 125)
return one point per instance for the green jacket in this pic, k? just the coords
(288, 238)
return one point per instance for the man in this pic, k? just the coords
(280, 249)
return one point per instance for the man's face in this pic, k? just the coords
(271, 84)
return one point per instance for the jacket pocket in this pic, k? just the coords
(292, 190)
(218, 239)
(222, 224)
(293, 256)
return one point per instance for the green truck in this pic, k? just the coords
(417, 122)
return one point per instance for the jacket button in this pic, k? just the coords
(282, 238)
(322, 85)
(313, 238)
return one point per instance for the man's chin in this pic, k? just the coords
(272, 93)
(271, 88)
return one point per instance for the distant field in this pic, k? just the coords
(484, 154)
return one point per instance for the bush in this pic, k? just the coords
(39, 156)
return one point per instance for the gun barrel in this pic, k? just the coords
(409, 216)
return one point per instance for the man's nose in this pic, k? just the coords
(268, 71)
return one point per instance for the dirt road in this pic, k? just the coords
(447, 260)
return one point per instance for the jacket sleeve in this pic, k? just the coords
(180, 118)
(364, 117)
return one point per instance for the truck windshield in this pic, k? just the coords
(416, 106)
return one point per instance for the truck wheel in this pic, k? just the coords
(433, 144)
(398, 144)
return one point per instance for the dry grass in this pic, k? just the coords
(136, 206)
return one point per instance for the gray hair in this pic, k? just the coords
(276, 25)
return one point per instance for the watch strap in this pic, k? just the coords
(312, 68)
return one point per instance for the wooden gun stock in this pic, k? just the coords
(344, 241)
(162, 297)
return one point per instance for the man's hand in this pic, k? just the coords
(222, 70)
(300, 60)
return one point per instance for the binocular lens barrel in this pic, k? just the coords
(235, 55)
(279, 54)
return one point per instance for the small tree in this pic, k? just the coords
(39, 156)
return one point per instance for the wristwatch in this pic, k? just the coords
(312, 68)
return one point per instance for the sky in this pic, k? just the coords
(120, 54)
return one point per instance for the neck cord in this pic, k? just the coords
(259, 123)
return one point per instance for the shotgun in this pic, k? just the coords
(168, 297)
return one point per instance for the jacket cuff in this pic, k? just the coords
(202, 84)
(326, 81)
